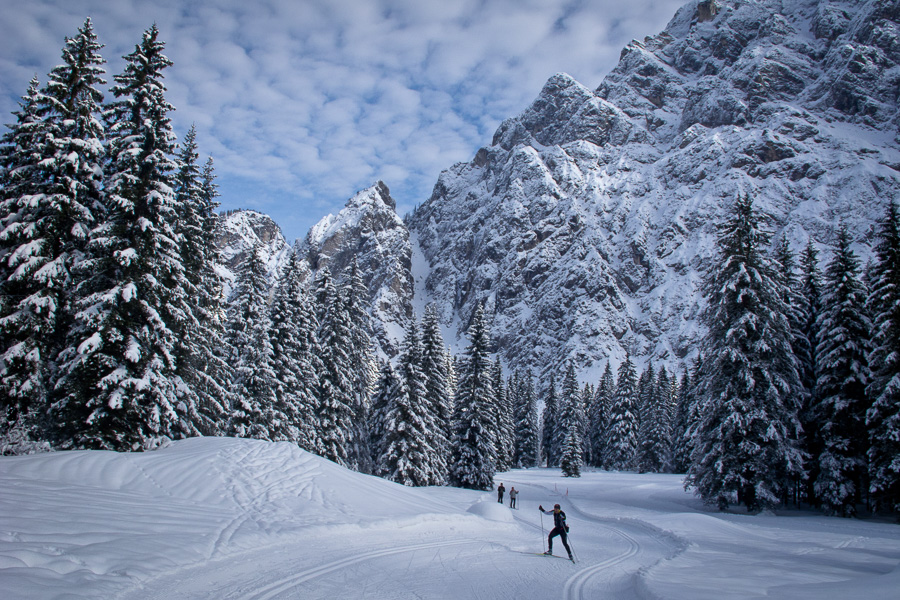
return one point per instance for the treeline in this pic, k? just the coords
(795, 394)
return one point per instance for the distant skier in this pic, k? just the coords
(559, 528)
(512, 497)
(500, 491)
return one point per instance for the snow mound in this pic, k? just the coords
(115, 516)
(493, 511)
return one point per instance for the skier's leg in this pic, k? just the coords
(553, 533)
(565, 541)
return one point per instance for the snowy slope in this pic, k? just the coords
(215, 518)
(587, 224)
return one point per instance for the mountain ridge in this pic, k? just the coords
(587, 224)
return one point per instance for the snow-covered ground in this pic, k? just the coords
(219, 518)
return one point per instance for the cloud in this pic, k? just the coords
(302, 103)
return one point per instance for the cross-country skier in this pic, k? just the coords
(513, 492)
(559, 529)
(500, 491)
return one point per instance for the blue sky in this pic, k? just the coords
(301, 103)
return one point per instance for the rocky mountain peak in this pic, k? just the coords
(369, 230)
(240, 231)
(587, 225)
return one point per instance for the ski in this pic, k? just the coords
(553, 556)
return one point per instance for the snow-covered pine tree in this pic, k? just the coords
(473, 457)
(310, 367)
(51, 201)
(787, 270)
(655, 448)
(513, 388)
(572, 418)
(587, 399)
(21, 176)
(681, 447)
(550, 448)
(668, 386)
(503, 415)
(437, 391)
(883, 418)
(387, 387)
(255, 413)
(408, 422)
(360, 353)
(121, 389)
(200, 360)
(335, 417)
(646, 412)
(526, 454)
(294, 376)
(745, 449)
(622, 440)
(599, 415)
(841, 400)
(805, 351)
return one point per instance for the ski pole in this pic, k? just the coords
(544, 546)
(571, 546)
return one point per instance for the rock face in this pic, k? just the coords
(369, 229)
(241, 229)
(587, 224)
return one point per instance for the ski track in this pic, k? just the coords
(272, 590)
(576, 585)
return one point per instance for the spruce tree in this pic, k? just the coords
(256, 412)
(526, 454)
(23, 385)
(336, 385)
(294, 375)
(646, 412)
(842, 402)
(550, 448)
(587, 400)
(437, 391)
(806, 352)
(51, 201)
(503, 416)
(655, 448)
(681, 447)
(599, 416)
(572, 419)
(473, 456)
(121, 388)
(883, 418)
(406, 457)
(360, 355)
(200, 355)
(387, 386)
(745, 448)
(622, 441)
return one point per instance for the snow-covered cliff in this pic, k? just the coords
(587, 223)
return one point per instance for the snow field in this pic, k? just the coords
(220, 518)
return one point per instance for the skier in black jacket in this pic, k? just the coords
(559, 528)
